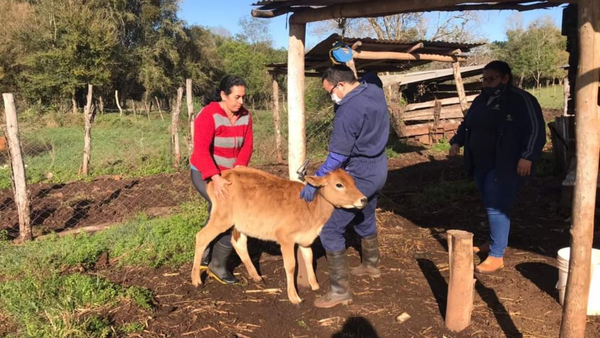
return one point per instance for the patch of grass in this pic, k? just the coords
(62, 305)
(549, 97)
(441, 147)
(45, 302)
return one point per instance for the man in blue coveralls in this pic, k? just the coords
(360, 134)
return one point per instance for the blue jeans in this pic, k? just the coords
(498, 198)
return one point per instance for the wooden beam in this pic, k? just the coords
(415, 47)
(431, 104)
(387, 7)
(587, 126)
(368, 55)
(460, 88)
(448, 112)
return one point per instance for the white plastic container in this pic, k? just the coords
(563, 272)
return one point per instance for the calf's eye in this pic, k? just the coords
(339, 185)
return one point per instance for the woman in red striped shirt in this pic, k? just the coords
(222, 140)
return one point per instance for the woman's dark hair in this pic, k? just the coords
(225, 85)
(501, 67)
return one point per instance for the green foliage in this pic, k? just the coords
(55, 305)
(549, 97)
(534, 53)
(44, 301)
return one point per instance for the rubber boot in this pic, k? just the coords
(339, 290)
(206, 258)
(370, 258)
(217, 268)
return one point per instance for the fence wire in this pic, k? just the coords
(131, 171)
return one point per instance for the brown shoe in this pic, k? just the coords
(484, 248)
(490, 265)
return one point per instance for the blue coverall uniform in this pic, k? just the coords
(360, 134)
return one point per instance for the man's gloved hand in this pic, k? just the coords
(308, 193)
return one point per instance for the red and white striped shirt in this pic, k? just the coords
(219, 144)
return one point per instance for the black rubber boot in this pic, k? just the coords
(217, 268)
(339, 291)
(206, 257)
(370, 258)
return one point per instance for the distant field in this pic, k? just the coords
(549, 97)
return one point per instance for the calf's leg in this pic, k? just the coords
(310, 271)
(203, 238)
(289, 262)
(241, 247)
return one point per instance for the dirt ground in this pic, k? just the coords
(520, 301)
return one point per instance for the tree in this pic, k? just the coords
(535, 53)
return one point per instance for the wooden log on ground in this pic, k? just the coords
(175, 130)
(587, 124)
(17, 168)
(88, 114)
(462, 284)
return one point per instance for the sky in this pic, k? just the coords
(227, 13)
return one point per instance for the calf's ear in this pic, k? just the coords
(316, 181)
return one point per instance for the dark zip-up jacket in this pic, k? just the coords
(521, 131)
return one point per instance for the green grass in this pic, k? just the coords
(44, 301)
(127, 146)
(549, 97)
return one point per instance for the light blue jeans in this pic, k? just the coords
(498, 198)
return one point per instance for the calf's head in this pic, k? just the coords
(338, 188)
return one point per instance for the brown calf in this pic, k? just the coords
(267, 207)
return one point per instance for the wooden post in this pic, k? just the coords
(73, 102)
(567, 94)
(460, 88)
(175, 129)
(17, 166)
(586, 174)
(133, 106)
(462, 283)
(276, 118)
(190, 109)
(101, 105)
(146, 105)
(88, 115)
(159, 110)
(296, 119)
(118, 104)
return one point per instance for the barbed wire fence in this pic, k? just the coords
(131, 170)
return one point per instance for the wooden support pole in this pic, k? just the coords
(462, 283)
(296, 119)
(587, 134)
(17, 166)
(118, 104)
(460, 88)
(276, 119)
(190, 108)
(101, 102)
(368, 55)
(159, 110)
(175, 130)
(88, 115)
(566, 94)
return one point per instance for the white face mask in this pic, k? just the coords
(335, 98)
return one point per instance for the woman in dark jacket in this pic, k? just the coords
(503, 135)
